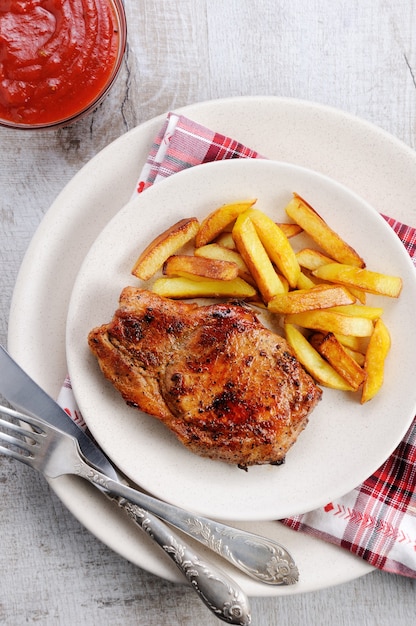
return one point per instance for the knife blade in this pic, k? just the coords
(24, 394)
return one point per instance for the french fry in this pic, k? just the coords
(304, 282)
(332, 350)
(284, 282)
(311, 259)
(371, 312)
(369, 281)
(215, 251)
(317, 297)
(277, 245)
(358, 294)
(180, 287)
(328, 321)
(255, 257)
(312, 223)
(349, 341)
(312, 361)
(226, 240)
(216, 221)
(290, 229)
(377, 351)
(195, 267)
(163, 246)
(359, 357)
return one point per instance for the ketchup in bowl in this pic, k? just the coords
(58, 58)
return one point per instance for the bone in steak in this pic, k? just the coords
(229, 388)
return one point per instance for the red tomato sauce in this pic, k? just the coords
(56, 57)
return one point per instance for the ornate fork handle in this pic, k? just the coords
(260, 558)
(221, 594)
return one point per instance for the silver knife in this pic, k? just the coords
(26, 395)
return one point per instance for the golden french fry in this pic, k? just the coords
(349, 341)
(371, 282)
(284, 282)
(289, 229)
(359, 310)
(225, 240)
(317, 297)
(216, 221)
(276, 245)
(304, 282)
(199, 267)
(311, 259)
(180, 287)
(312, 361)
(328, 321)
(359, 357)
(377, 351)
(163, 246)
(358, 294)
(332, 350)
(215, 251)
(312, 223)
(255, 257)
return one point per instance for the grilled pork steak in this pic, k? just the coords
(229, 388)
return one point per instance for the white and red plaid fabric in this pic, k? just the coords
(377, 519)
(181, 144)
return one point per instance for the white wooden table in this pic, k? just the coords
(357, 56)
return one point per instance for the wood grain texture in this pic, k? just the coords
(353, 55)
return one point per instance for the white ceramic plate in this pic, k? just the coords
(344, 442)
(368, 160)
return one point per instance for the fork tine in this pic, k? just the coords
(19, 447)
(20, 450)
(24, 442)
(16, 455)
(19, 430)
(21, 417)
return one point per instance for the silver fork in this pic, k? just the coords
(55, 453)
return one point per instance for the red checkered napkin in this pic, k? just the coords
(377, 519)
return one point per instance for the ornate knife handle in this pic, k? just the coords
(219, 592)
(260, 558)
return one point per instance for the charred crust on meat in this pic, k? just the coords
(148, 317)
(174, 327)
(280, 462)
(226, 386)
(221, 313)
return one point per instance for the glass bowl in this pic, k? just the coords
(58, 61)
